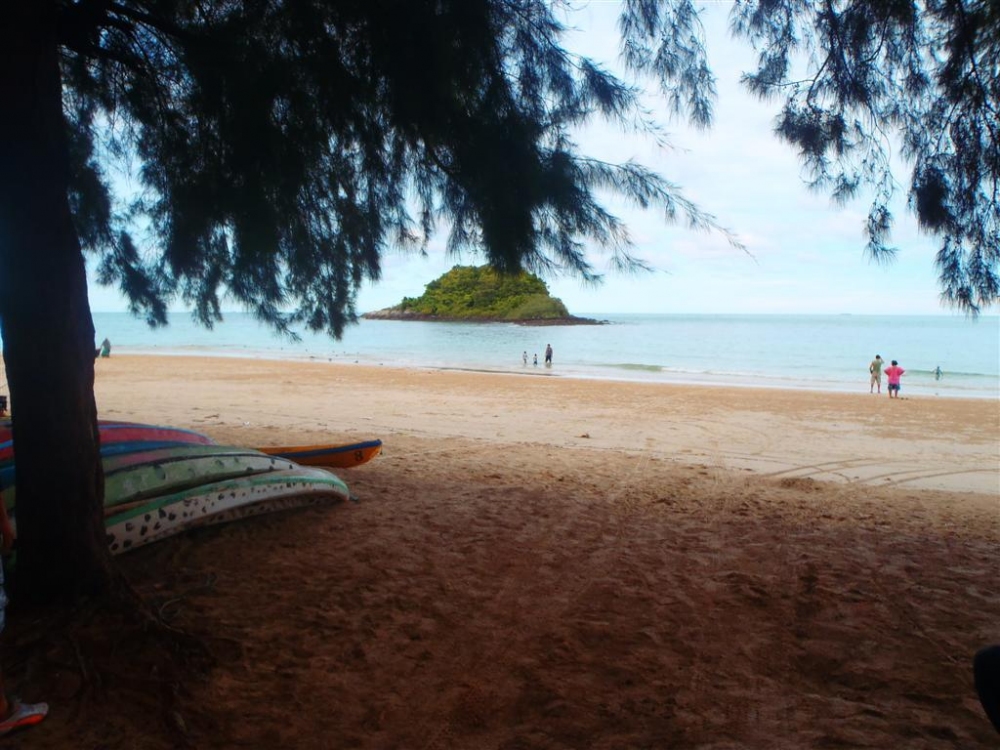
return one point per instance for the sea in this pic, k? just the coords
(803, 352)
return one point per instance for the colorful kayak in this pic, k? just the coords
(115, 461)
(114, 433)
(144, 522)
(7, 427)
(114, 449)
(120, 432)
(332, 456)
(155, 477)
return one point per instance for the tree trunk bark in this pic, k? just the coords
(45, 321)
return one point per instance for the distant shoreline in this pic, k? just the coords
(786, 352)
(659, 378)
(767, 430)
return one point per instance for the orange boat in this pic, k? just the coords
(330, 456)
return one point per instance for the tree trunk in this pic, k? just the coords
(45, 321)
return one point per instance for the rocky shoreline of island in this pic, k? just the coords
(479, 294)
(391, 313)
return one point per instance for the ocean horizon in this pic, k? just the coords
(805, 352)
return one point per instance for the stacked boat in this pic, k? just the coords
(160, 480)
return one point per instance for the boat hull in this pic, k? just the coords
(330, 456)
(165, 516)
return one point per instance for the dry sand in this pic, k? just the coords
(540, 562)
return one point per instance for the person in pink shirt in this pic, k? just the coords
(893, 373)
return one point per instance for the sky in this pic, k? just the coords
(805, 255)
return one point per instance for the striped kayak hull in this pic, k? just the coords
(165, 475)
(120, 432)
(114, 433)
(7, 427)
(218, 502)
(330, 456)
(116, 461)
(168, 461)
(107, 451)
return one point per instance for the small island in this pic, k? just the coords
(479, 294)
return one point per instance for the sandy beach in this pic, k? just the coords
(541, 562)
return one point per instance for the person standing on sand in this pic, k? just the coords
(548, 354)
(13, 713)
(894, 372)
(875, 368)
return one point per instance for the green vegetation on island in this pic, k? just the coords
(479, 293)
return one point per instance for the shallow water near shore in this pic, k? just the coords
(812, 352)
